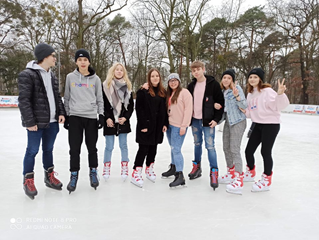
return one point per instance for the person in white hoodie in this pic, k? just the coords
(83, 101)
(41, 110)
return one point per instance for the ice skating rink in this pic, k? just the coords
(120, 210)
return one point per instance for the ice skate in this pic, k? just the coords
(228, 177)
(150, 175)
(106, 170)
(94, 178)
(50, 180)
(137, 177)
(178, 181)
(196, 171)
(28, 185)
(236, 185)
(73, 181)
(124, 170)
(214, 178)
(249, 175)
(263, 184)
(170, 172)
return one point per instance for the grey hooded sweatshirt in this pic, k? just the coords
(83, 95)
(47, 81)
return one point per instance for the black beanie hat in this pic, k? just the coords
(43, 50)
(82, 53)
(259, 72)
(230, 72)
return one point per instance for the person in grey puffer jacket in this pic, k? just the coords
(83, 101)
(41, 109)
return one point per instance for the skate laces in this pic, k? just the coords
(73, 179)
(107, 169)
(94, 176)
(124, 169)
(52, 178)
(30, 184)
(195, 167)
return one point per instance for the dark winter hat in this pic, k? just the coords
(172, 76)
(43, 50)
(82, 53)
(259, 72)
(230, 72)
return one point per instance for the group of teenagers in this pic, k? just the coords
(90, 104)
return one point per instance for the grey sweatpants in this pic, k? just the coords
(232, 136)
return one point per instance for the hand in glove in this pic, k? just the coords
(66, 123)
(100, 122)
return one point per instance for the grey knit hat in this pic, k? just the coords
(43, 50)
(172, 76)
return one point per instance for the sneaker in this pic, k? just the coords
(249, 175)
(263, 184)
(149, 171)
(228, 177)
(124, 170)
(106, 170)
(137, 177)
(236, 185)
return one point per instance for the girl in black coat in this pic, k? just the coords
(152, 121)
(118, 108)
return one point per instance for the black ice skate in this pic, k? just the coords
(170, 172)
(196, 171)
(50, 180)
(28, 185)
(93, 178)
(178, 181)
(214, 178)
(73, 181)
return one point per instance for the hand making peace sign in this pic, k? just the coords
(281, 87)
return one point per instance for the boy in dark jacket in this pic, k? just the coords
(41, 109)
(83, 101)
(205, 91)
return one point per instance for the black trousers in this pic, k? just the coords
(76, 127)
(148, 151)
(266, 135)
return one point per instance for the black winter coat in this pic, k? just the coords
(213, 94)
(108, 113)
(151, 117)
(33, 101)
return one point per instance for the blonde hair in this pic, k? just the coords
(197, 64)
(110, 76)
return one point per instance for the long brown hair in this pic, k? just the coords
(161, 89)
(170, 92)
(261, 85)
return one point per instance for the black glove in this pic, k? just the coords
(100, 122)
(66, 123)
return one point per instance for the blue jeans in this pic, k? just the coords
(209, 134)
(109, 146)
(176, 141)
(48, 136)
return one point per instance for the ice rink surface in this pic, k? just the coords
(120, 210)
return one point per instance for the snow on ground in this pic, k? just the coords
(120, 210)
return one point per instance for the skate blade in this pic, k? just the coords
(31, 197)
(236, 193)
(49, 186)
(195, 177)
(153, 181)
(179, 186)
(167, 177)
(265, 190)
(135, 184)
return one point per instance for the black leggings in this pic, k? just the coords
(148, 151)
(266, 135)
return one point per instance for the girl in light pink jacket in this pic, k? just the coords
(264, 106)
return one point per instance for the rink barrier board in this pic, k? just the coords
(12, 101)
